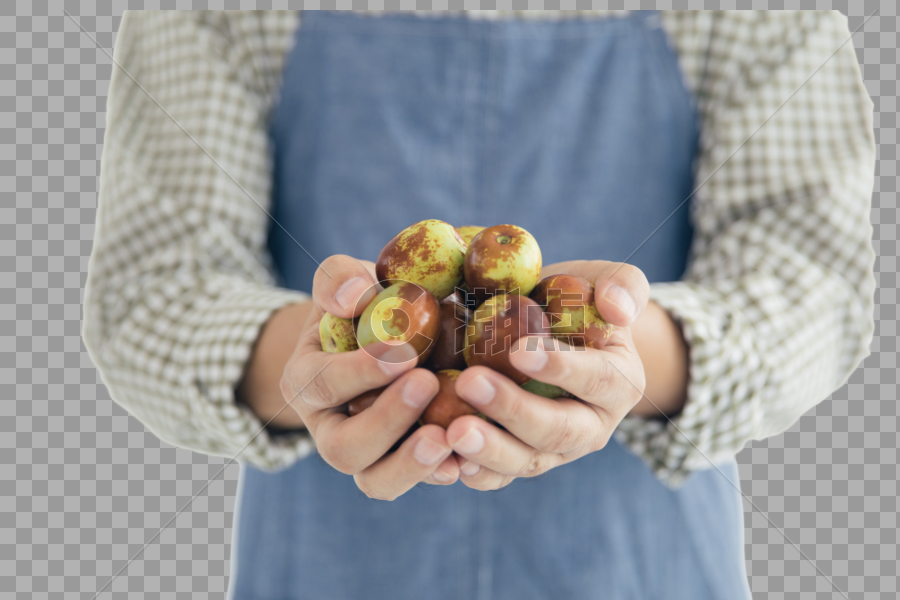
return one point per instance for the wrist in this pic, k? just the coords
(259, 389)
(664, 353)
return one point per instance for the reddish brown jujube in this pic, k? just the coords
(502, 259)
(447, 406)
(428, 253)
(495, 327)
(404, 313)
(569, 303)
(448, 349)
(363, 401)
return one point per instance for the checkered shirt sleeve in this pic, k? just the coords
(777, 303)
(179, 283)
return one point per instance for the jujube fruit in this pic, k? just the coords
(428, 253)
(446, 406)
(569, 303)
(502, 259)
(363, 401)
(547, 390)
(451, 341)
(403, 313)
(337, 334)
(496, 325)
(467, 232)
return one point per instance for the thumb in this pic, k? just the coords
(621, 291)
(344, 286)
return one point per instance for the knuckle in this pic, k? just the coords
(601, 434)
(566, 437)
(557, 435)
(537, 465)
(483, 482)
(516, 411)
(289, 377)
(334, 452)
(372, 492)
(597, 384)
(286, 387)
(640, 384)
(504, 481)
(601, 440)
(319, 391)
(475, 484)
(325, 448)
(633, 276)
(295, 384)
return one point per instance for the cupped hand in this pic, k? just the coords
(544, 433)
(317, 384)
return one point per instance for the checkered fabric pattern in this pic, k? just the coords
(85, 486)
(776, 303)
(178, 287)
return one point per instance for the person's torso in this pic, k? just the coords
(580, 131)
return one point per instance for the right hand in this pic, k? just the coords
(316, 384)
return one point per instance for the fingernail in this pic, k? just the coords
(622, 300)
(442, 477)
(530, 359)
(428, 452)
(470, 443)
(478, 391)
(417, 393)
(396, 359)
(351, 292)
(470, 468)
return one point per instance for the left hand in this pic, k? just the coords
(542, 433)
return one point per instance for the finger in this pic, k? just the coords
(621, 291)
(611, 380)
(344, 286)
(352, 444)
(396, 473)
(446, 474)
(315, 380)
(480, 442)
(481, 478)
(562, 426)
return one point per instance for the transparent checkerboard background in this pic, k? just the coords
(83, 486)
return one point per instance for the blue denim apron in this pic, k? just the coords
(582, 132)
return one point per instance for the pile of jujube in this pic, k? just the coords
(461, 298)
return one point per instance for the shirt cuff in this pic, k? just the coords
(223, 336)
(726, 382)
